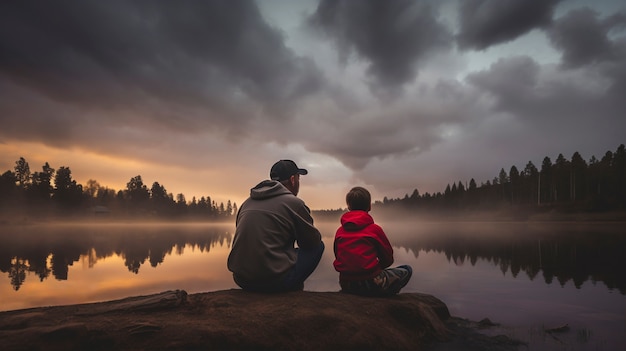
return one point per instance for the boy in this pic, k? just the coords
(363, 252)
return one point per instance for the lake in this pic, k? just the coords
(526, 276)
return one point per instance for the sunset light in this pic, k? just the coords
(313, 174)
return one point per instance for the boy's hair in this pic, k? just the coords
(358, 198)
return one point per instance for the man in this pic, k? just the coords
(263, 257)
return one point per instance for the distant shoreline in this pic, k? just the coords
(503, 215)
(461, 216)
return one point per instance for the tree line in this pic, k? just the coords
(568, 185)
(571, 185)
(51, 192)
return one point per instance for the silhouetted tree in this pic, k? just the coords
(106, 197)
(546, 181)
(91, 188)
(530, 177)
(619, 166)
(137, 194)
(67, 193)
(8, 188)
(514, 184)
(578, 177)
(40, 189)
(229, 209)
(562, 179)
(161, 203)
(503, 180)
(22, 172)
(181, 205)
(472, 185)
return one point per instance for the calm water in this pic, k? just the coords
(525, 276)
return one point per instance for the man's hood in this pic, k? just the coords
(267, 189)
(356, 220)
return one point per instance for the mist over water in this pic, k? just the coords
(516, 273)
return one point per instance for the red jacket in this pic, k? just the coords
(361, 247)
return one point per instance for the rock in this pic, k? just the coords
(162, 301)
(232, 319)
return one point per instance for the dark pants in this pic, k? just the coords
(293, 280)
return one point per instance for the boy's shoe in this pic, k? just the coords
(391, 280)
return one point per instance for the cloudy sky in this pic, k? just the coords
(204, 96)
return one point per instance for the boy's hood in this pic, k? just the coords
(355, 220)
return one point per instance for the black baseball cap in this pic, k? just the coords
(284, 169)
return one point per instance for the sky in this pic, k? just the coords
(204, 96)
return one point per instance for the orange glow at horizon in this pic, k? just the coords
(114, 172)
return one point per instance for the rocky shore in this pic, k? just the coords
(238, 320)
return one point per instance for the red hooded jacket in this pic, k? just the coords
(361, 247)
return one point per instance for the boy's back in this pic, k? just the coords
(362, 249)
(363, 252)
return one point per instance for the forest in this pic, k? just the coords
(53, 193)
(574, 185)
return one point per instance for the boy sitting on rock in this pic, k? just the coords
(363, 252)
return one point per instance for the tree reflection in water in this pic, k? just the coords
(51, 249)
(561, 251)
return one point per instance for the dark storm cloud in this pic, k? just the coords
(392, 36)
(403, 129)
(484, 23)
(584, 38)
(187, 65)
(590, 42)
(383, 136)
(552, 107)
(590, 81)
(541, 96)
(513, 81)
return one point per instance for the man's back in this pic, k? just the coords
(268, 224)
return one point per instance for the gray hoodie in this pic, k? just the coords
(269, 222)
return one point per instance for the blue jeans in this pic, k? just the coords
(293, 280)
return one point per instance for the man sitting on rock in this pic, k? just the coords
(263, 257)
(363, 252)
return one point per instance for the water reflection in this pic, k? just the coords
(562, 252)
(504, 271)
(51, 250)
